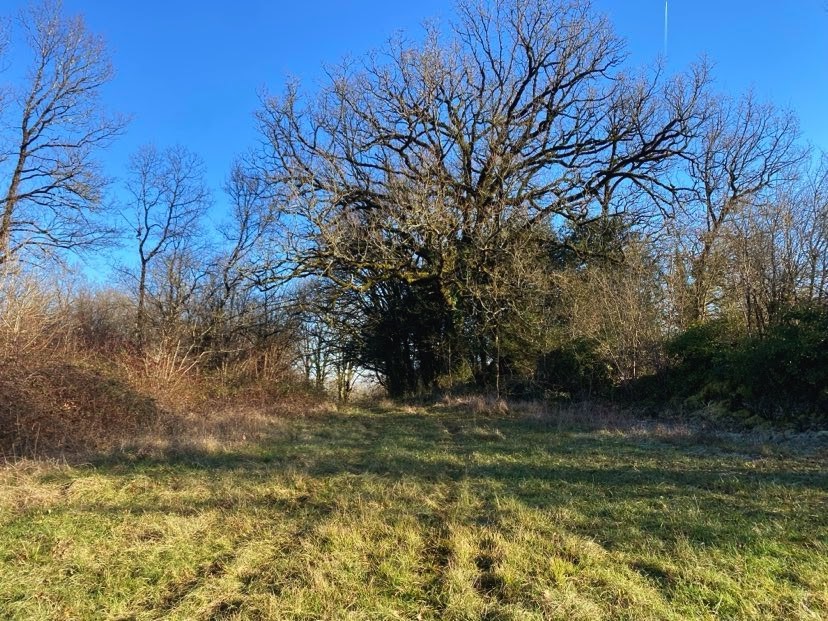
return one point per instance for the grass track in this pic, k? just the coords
(421, 514)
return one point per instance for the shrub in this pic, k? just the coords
(785, 371)
(780, 376)
(575, 369)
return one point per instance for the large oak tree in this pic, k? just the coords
(421, 162)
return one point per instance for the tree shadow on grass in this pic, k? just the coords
(665, 493)
(431, 449)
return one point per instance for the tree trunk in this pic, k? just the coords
(140, 324)
(10, 203)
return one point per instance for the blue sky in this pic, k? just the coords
(188, 71)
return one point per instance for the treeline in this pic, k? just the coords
(509, 206)
(504, 205)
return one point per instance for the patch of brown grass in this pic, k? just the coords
(57, 405)
(478, 405)
(226, 427)
(61, 403)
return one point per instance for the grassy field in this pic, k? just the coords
(404, 513)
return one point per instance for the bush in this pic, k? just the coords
(573, 370)
(786, 370)
(780, 376)
(701, 362)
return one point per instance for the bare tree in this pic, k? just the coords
(167, 198)
(812, 200)
(617, 306)
(54, 185)
(523, 115)
(421, 163)
(745, 150)
(234, 271)
(777, 251)
(5, 36)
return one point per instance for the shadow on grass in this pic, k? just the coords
(615, 485)
(431, 448)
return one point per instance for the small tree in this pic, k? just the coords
(167, 198)
(744, 150)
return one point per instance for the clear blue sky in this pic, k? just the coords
(188, 71)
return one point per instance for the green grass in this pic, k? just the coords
(421, 514)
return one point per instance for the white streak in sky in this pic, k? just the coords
(665, 27)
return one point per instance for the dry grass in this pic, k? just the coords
(226, 428)
(416, 513)
(72, 383)
(73, 408)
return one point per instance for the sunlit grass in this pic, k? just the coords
(421, 514)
